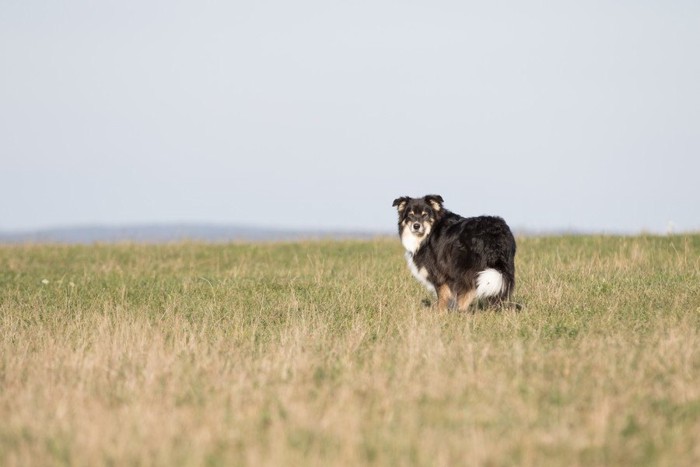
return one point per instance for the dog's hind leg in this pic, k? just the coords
(444, 296)
(465, 299)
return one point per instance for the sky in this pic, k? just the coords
(318, 114)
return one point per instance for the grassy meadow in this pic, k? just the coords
(323, 353)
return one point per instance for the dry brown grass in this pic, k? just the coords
(321, 353)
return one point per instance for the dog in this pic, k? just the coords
(460, 259)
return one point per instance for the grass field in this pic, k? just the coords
(321, 353)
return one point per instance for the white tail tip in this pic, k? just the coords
(489, 282)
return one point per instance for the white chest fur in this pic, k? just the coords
(420, 274)
(410, 242)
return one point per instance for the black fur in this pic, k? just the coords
(454, 249)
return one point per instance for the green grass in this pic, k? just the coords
(319, 353)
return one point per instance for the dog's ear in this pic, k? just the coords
(435, 201)
(400, 203)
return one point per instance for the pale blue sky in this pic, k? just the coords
(554, 115)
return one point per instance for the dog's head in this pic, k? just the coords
(416, 218)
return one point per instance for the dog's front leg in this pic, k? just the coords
(444, 296)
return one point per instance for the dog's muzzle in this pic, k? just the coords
(417, 228)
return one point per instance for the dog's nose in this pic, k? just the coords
(416, 226)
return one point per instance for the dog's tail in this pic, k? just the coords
(496, 284)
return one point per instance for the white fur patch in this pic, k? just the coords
(410, 242)
(489, 282)
(420, 274)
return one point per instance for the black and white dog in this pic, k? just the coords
(461, 259)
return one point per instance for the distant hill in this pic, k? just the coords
(163, 233)
(160, 233)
